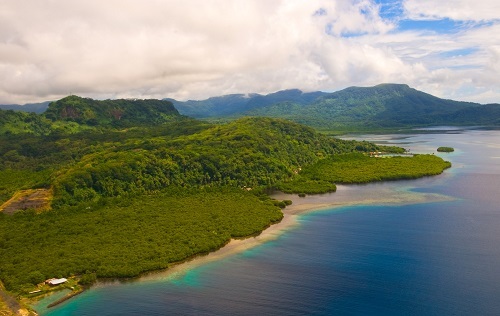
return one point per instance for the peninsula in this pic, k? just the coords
(130, 186)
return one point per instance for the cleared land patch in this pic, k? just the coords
(38, 199)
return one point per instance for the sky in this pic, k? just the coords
(195, 49)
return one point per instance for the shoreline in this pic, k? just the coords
(346, 195)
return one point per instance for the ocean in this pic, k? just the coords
(431, 247)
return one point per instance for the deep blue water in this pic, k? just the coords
(439, 258)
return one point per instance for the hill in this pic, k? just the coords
(236, 104)
(126, 201)
(122, 112)
(75, 114)
(382, 106)
(354, 108)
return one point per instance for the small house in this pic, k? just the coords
(55, 282)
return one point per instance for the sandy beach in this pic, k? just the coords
(346, 195)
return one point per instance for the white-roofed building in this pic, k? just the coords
(56, 281)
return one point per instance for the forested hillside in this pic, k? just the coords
(386, 105)
(118, 113)
(75, 114)
(245, 153)
(119, 196)
(128, 200)
(236, 104)
(12, 122)
(355, 108)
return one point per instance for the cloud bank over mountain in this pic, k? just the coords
(199, 48)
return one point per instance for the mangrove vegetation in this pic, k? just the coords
(128, 196)
(446, 149)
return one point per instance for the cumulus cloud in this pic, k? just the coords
(199, 48)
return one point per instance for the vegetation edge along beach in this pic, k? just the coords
(122, 197)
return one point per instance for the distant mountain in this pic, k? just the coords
(73, 114)
(487, 114)
(381, 106)
(236, 104)
(30, 107)
(122, 112)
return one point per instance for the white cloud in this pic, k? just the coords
(463, 10)
(200, 48)
(460, 65)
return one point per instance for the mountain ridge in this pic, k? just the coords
(28, 107)
(385, 105)
(235, 103)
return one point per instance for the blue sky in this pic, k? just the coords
(194, 49)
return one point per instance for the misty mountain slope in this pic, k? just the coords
(30, 107)
(237, 104)
(381, 106)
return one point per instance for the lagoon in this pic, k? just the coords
(428, 246)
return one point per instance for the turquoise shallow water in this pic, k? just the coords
(439, 258)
